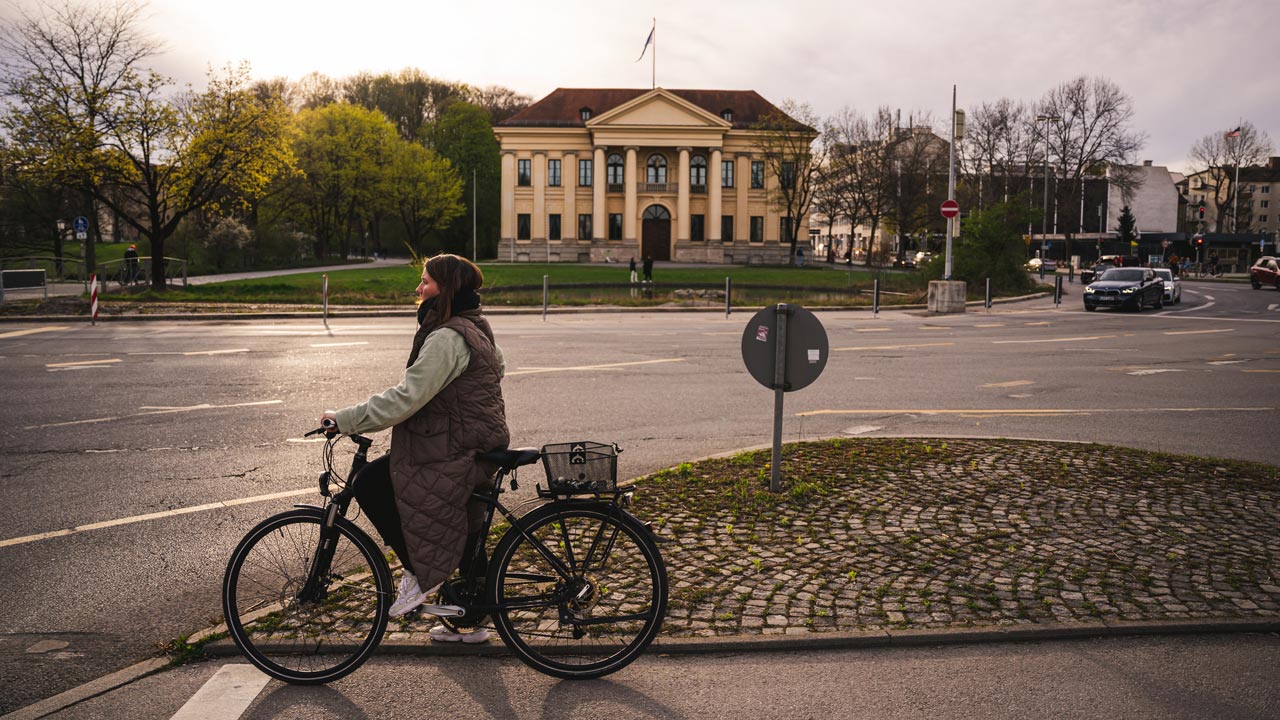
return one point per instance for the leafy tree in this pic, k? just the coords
(785, 139)
(1217, 157)
(425, 192)
(990, 246)
(464, 136)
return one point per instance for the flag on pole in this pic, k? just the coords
(1232, 133)
(648, 41)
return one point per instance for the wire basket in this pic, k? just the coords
(580, 468)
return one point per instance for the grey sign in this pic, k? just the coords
(805, 350)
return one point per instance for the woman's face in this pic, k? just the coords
(428, 288)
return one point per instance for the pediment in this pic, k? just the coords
(658, 108)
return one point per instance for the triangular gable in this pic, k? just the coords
(658, 108)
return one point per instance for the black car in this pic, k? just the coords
(1130, 288)
(1088, 275)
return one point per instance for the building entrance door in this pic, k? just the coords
(655, 233)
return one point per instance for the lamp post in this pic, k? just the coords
(1044, 210)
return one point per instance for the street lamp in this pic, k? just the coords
(1044, 210)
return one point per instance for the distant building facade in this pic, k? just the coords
(609, 174)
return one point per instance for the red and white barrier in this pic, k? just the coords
(93, 299)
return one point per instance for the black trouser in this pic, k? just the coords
(377, 499)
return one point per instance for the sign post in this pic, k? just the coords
(785, 349)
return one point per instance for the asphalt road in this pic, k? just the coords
(146, 431)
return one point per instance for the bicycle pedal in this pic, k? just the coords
(444, 610)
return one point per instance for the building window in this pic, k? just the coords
(757, 174)
(522, 226)
(757, 228)
(656, 169)
(615, 226)
(1264, 203)
(727, 114)
(698, 173)
(697, 228)
(524, 176)
(1266, 189)
(613, 170)
(788, 177)
(553, 226)
(585, 114)
(726, 173)
(1262, 218)
(784, 229)
(553, 173)
(584, 226)
(586, 171)
(726, 228)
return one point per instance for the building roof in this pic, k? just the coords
(562, 107)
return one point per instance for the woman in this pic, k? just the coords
(447, 408)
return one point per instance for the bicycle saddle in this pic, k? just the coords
(509, 459)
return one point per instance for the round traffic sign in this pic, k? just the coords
(805, 354)
(80, 224)
(950, 209)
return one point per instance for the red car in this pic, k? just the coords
(1266, 271)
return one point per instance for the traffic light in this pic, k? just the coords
(1201, 212)
(1200, 239)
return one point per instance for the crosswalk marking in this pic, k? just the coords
(226, 695)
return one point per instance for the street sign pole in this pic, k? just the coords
(951, 185)
(779, 383)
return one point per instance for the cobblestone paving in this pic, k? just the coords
(879, 534)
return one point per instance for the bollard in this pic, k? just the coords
(545, 287)
(728, 293)
(93, 299)
(875, 299)
(1057, 290)
(988, 300)
(324, 299)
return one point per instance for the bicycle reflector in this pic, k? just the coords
(324, 483)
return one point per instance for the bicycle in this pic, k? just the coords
(576, 587)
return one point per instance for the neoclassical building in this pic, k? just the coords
(597, 174)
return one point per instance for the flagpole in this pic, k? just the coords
(655, 54)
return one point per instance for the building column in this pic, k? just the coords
(598, 217)
(629, 219)
(506, 230)
(682, 197)
(538, 231)
(714, 197)
(569, 179)
(742, 217)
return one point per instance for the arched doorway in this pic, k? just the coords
(655, 235)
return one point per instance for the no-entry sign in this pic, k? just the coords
(950, 209)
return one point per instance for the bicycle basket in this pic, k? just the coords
(580, 467)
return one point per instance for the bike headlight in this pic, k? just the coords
(1129, 290)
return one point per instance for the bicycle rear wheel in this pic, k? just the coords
(580, 593)
(299, 632)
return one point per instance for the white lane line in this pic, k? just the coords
(226, 696)
(82, 362)
(345, 344)
(608, 366)
(156, 411)
(1272, 306)
(987, 325)
(1261, 371)
(873, 330)
(1154, 371)
(893, 347)
(1227, 362)
(32, 331)
(1198, 332)
(1033, 412)
(1053, 340)
(152, 516)
(1011, 383)
(217, 352)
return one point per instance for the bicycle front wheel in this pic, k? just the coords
(580, 591)
(299, 625)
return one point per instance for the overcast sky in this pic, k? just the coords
(1192, 67)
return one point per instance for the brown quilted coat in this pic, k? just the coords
(433, 465)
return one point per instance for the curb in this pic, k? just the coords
(89, 690)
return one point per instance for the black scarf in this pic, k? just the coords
(463, 300)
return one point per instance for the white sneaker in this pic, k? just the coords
(442, 633)
(409, 595)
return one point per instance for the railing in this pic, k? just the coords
(698, 189)
(121, 273)
(648, 187)
(614, 187)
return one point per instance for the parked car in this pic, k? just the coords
(1266, 271)
(1050, 265)
(1088, 275)
(1129, 288)
(1172, 286)
(904, 261)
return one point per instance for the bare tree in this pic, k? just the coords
(785, 139)
(918, 161)
(1087, 129)
(994, 158)
(1218, 156)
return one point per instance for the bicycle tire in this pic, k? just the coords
(596, 615)
(305, 642)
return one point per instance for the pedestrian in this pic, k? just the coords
(1213, 262)
(447, 407)
(799, 257)
(1173, 264)
(131, 263)
(633, 269)
(648, 268)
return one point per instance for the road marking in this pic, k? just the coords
(935, 327)
(1032, 412)
(79, 363)
(1272, 306)
(893, 347)
(1198, 332)
(1154, 371)
(1011, 383)
(1053, 340)
(346, 344)
(873, 330)
(1227, 362)
(607, 366)
(861, 429)
(1261, 371)
(1032, 324)
(987, 325)
(32, 331)
(226, 696)
(220, 505)
(217, 352)
(153, 411)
